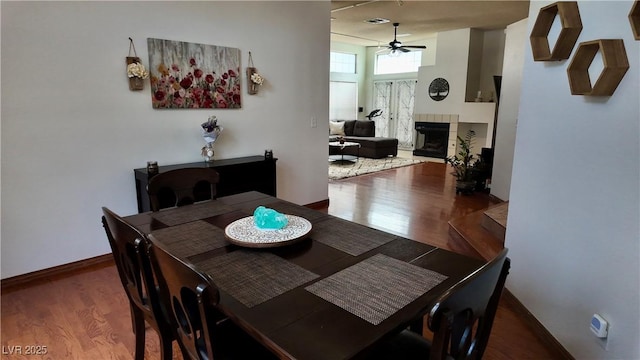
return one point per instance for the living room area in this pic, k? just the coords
(553, 215)
(368, 85)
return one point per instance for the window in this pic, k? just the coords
(343, 63)
(401, 63)
(343, 100)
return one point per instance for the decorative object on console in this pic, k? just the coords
(438, 89)
(254, 79)
(210, 132)
(193, 76)
(136, 72)
(152, 168)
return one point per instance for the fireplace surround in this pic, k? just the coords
(432, 139)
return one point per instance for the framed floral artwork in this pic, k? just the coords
(193, 76)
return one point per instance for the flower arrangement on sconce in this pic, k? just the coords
(138, 70)
(257, 79)
(254, 79)
(210, 132)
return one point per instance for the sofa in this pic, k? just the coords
(362, 132)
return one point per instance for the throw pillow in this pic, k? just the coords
(364, 128)
(336, 128)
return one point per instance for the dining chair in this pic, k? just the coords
(460, 319)
(182, 187)
(192, 297)
(129, 248)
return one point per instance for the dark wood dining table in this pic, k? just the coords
(333, 295)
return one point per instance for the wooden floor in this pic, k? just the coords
(417, 202)
(86, 315)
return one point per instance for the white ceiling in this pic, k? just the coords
(422, 19)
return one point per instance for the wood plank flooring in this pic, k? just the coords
(417, 202)
(85, 315)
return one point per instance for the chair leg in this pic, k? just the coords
(166, 348)
(133, 318)
(139, 330)
(417, 325)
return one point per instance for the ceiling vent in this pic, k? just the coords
(377, 21)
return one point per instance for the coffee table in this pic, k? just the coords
(341, 157)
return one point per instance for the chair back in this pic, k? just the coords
(182, 187)
(129, 248)
(462, 317)
(190, 297)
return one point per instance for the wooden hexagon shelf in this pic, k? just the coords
(634, 19)
(615, 65)
(571, 28)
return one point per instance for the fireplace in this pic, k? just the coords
(432, 139)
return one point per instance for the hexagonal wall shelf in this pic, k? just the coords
(615, 65)
(634, 19)
(571, 28)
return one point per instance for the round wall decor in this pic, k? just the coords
(439, 89)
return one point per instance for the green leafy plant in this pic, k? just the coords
(463, 161)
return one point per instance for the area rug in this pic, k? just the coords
(341, 170)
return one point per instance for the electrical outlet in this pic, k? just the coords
(314, 122)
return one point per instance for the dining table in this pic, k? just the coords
(335, 292)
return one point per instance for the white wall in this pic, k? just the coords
(573, 228)
(72, 132)
(515, 42)
(492, 62)
(452, 57)
(474, 64)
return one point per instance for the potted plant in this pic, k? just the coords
(462, 164)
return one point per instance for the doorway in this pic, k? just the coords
(395, 98)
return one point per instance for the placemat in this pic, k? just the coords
(192, 238)
(377, 287)
(193, 212)
(253, 277)
(352, 238)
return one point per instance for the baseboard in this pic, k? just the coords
(33, 278)
(495, 198)
(551, 343)
(319, 205)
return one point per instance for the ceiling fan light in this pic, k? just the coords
(377, 21)
(394, 53)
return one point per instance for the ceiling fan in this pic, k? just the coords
(396, 46)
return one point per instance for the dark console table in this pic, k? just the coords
(251, 173)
